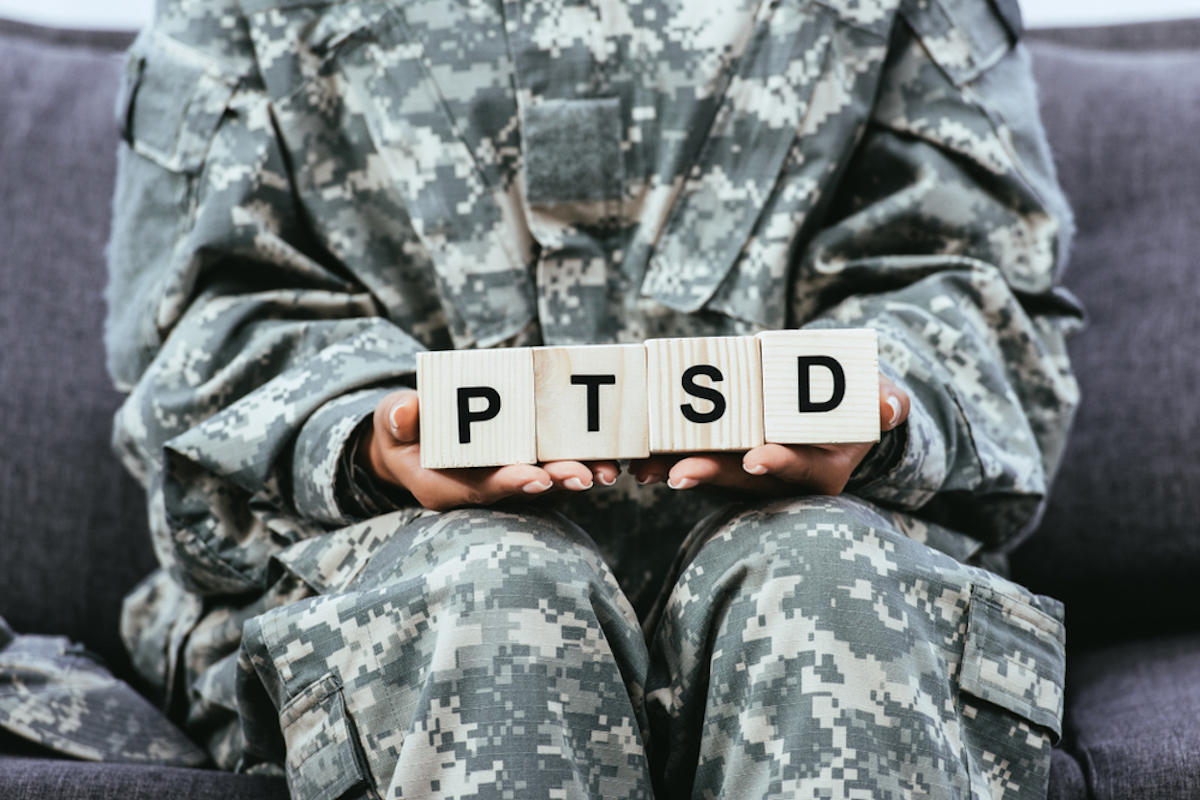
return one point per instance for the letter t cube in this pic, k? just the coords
(591, 402)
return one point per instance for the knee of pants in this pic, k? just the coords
(526, 551)
(501, 572)
(823, 542)
(465, 583)
(485, 631)
(502, 565)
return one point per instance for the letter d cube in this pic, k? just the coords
(820, 386)
(477, 408)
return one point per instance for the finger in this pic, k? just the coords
(721, 470)
(893, 404)
(692, 471)
(824, 469)
(604, 472)
(443, 489)
(776, 459)
(573, 476)
(651, 470)
(515, 480)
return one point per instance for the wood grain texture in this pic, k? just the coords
(508, 437)
(724, 367)
(787, 355)
(602, 414)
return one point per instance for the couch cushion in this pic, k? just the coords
(71, 522)
(1066, 777)
(1118, 542)
(24, 778)
(1133, 719)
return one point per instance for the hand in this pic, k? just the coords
(391, 451)
(776, 470)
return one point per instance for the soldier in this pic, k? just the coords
(313, 192)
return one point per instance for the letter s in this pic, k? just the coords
(704, 393)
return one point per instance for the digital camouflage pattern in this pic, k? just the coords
(781, 608)
(312, 192)
(59, 695)
(473, 653)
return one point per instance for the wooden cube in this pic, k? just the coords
(477, 408)
(705, 394)
(820, 386)
(591, 402)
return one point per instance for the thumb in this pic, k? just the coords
(893, 404)
(402, 416)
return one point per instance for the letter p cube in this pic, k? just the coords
(477, 408)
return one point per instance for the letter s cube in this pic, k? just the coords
(477, 408)
(705, 394)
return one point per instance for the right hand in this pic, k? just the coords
(391, 451)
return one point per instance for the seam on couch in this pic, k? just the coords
(67, 37)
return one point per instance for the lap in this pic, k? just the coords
(812, 636)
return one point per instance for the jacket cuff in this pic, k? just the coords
(908, 466)
(328, 437)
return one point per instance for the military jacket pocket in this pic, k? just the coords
(786, 125)
(1014, 657)
(171, 103)
(169, 106)
(383, 83)
(324, 761)
(964, 37)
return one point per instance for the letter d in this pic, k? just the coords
(805, 364)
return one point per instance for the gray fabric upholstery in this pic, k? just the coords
(71, 523)
(1133, 721)
(25, 778)
(1118, 543)
(100, 40)
(1180, 34)
(1066, 778)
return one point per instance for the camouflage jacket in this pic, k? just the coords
(311, 192)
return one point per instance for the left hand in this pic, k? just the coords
(775, 470)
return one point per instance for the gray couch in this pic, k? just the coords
(1120, 543)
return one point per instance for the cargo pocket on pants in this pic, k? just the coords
(1014, 662)
(324, 758)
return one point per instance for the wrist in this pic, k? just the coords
(369, 455)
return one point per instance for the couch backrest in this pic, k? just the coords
(73, 535)
(1120, 542)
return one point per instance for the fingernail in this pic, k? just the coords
(894, 402)
(683, 483)
(392, 417)
(649, 479)
(575, 485)
(755, 469)
(534, 487)
(605, 481)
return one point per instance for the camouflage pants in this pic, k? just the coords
(805, 649)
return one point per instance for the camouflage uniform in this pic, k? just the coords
(312, 192)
